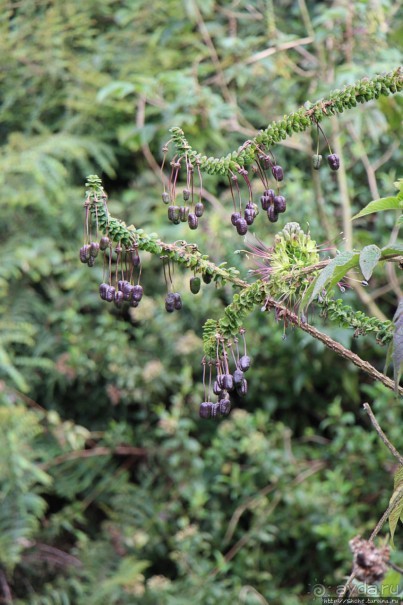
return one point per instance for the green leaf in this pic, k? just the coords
(384, 203)
(369, 257)
(397, 501)
(394, 249)
(330, 275)
(118, 90)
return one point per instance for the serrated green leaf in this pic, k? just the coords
(369, 258)
(397, 502)
(384, 203)
(330, 275)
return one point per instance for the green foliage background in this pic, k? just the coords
(258, 508)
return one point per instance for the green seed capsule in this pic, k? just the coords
(165, 197)
(316, 161)
(195, 285)
(186, 195)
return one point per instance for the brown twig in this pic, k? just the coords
(365, 366)
(120, 450)
(381, 434)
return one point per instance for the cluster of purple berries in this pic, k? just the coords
(89, 252)
(332, 159)
(226, 382)
(124, 292)
(273, 204)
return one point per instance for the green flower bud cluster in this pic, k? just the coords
(293, 250)
(362, 91)
(345, 317)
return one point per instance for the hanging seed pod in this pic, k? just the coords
(235, 216)
(170, 303)
(242, 388)
(316, 161)
(110, 294)
(272, 214)
(127, 291)
(270, 193)
(118, 298)
(277, 172)
(225, 407)
(173, 213)
(199, 209)
(121, 284)
(135, 257)
(183, 213)
(215, 410)
(219, 380)
(85, 253)
(266, 161)
(279, 203)
(178, 301)
(104, 242)
(265, 202)
(241, 226)
(134, 303)
(91, 261)
(193, 221)
(195, 284)
(207, 277)
(205, 409)
(249, 216)
(94, 249)
(237, 376)
(244, 363)
(186, 194)
(223, 395)
(137, 293)
(227, 382)
(216, 388)
(165, 197)
(102, 290)
(334, 161)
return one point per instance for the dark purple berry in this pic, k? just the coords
(199, 209)
(266, 161)
(277, 172)
(219, 380)
(102, 290)
(241, 226)
(104, 242)
(225, 407)
(118, 298)
(265, 202)
(165, 197)
(85, 252)
(235, 216)
(279, 204)
(195, 284)
(186, 194)
(110, 294)
(223, 395)
(242, 388)
(244, 363)
(205, 409)
(121, 284)
(170, 302)
(94, 249)
(178, 301)
(215, 410)
(316, 161)
(134, 303)
(270, 194)
(207, 277)
(272, 214)
(173, 213)
(137, 293)
(135, 257)
(249, 216)
(227, 382)
(333, 161)
(183, 213)
(127, 291)
(193, 221)
(237, 376)
(216, 388)
(91, 261)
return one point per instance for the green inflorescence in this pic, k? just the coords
(362, 91)
(242, 305)
(345, 317)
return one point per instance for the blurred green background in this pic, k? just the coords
(112, 490)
